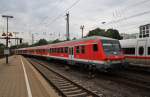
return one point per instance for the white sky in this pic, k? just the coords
(38, 16)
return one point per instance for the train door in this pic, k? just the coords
(71, 53)
(141, 51)
(95, 51)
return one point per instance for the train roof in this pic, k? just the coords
(82, 41)
(85, 40)
(131, 42)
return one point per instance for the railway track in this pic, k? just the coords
(65, 86)
(139, 69)
(128, 77)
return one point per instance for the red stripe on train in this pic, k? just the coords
(138, 57)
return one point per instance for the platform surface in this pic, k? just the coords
(18, 78)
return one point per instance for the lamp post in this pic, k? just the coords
(7, 17)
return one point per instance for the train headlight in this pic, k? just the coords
(108, 62)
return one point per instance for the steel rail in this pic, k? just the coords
(65, 86)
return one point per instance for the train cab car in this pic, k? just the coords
(103, 52)
(136, 51)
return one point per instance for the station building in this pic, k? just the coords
(144, 31)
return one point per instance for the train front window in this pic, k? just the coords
(111, 47)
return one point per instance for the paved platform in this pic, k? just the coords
(20, 79)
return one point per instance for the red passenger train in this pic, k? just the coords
(102, 52)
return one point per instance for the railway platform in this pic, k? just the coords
(19, 79)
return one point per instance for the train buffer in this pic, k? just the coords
(19, 79)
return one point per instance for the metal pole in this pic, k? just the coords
(32, 38)
(17, 42)
(67, 30)
(7, 42)
(82, 33)
(15, 37)
(82, 27)
(6, 16)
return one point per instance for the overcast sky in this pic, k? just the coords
(38, 16)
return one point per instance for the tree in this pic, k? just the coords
(40, 42)
(23, 45)
(56, 41)
(2, 46)
(112, 33)
(97, 32)
(74, 38)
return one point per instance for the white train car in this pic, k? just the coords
(136, 50)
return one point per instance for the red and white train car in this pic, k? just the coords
(103, 52)
(137, 50)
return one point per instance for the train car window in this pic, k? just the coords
(95, 47)
(129, 51)
(66, 49)
(58, 50)
(82, 49)
(61, 50)
(55, 50)
(148, 50)
(140, 36)
(141, 50)
(52, 50)
(77, 49)
(147, 35)
(70, 51)
(49, 50)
